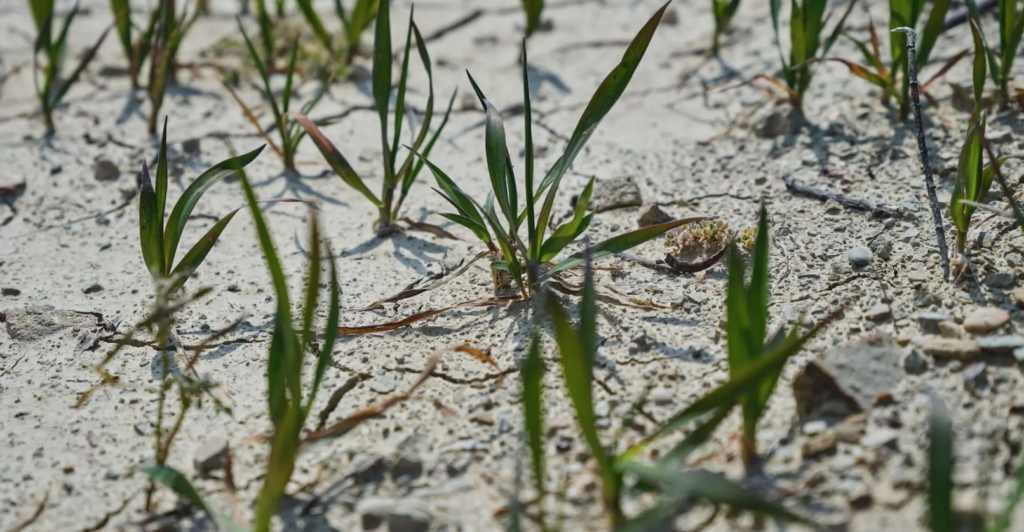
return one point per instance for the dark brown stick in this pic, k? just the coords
(933, 199)
(879, 210)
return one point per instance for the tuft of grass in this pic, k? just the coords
(973, 180)
(806, 29)
(533, 10)
(354, 23)
(895, 79)
(169, 33)
(159, 242)
(290, 133)
(509, 250)
(577, 348)
(1000, 60)
(398, 177)
(723, 10)
(53, 47)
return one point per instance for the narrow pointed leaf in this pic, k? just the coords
(150, 226)
(941, 517)
(569, 231)
(334, 157)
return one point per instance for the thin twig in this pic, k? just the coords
(880, 210)
(922, 148)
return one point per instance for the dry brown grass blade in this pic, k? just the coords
(430, 228)
(252, 118)
(375, 410)
(35, 515)
(775, 82)
(412, 292)
(942, 71)
(399, 323)
(483, 357)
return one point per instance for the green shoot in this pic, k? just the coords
(289, 407)
(577, 348)
(266, 32)
(533, 10)
(1011, 29)
(895, 80)
(507, 246)
(355, 23)
(55, 82)
(315, 24)
(160, 242)
(972, 179)
(289, 132)
(805, 30)
(398, 177)
(724, 10)
(169, 33)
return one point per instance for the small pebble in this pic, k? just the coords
(191, 146)
(211, 456)
(92, 288)
(878, 312)
(1000, 279)
(986, 319)
(929, 322)
(916, 362)
(859, 256)
(955, 348)
(1000, 344)
(104, 169)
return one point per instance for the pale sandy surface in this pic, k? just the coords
(692, 142)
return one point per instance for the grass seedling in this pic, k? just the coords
(577, 347)
(291, 134)
(159, 242)
(353, 24)
(942, 517)
(972, 179)
(806, 25)
(169, 34)
(533, 10)
(266, 33)
(55, 82)
(398, 178)
(723, 10)
(508, 248)
(1011, 29)
(895, 79)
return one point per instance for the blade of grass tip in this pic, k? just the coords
(307, 333)
(531, 220)
(757, 296)
(533, 414)
(330, 332)
(407, 176)
(400, 96)
(838, 29)
(313, 19)
(189, 199)
(382, 62)
(694, 440)
(940, 470)
(588, 309)
(569, 231)
(150, 230)
(161, 187)
(82, 64)
(972, 9)
(496, 150)
(978, 72)
(1002, 521)
(931, 31)
(197, 254)
(266, 29)
(278, 119)
(430, 143)
(618, 244)
(334, 158)
(286, 96)
(459, 199)
(600, 104)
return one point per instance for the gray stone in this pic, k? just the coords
(211, 456)
(191, 146)
(882, 247)
(1000, 345)
(954, 348)
(859, 256)
(92, 288)
(662, 396)
(878, 312)
(615, 193)
(651, 214)
(401, 515)
(879, 436)
(774, 125)
(1000, 279)
(916, 362)
(848, 379)
(929, 322)
(105, 170)
(923, 298)
(1018, 354)
(37, 321)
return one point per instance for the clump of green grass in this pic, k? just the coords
(623, 473)
(291, 134)
(895, 79)
(398, 177)
(533, 10)
(509, 250)
(135, 51)
(170, 32)
(806, 29)
(53, 47)
(353, 24)
(723, 10)
(1000, 61)
(159, 242)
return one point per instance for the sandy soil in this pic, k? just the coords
(69, 241)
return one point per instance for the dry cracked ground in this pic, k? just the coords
(843, 442)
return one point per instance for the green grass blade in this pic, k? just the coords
(408, 172)
(531, 220)
(197, 254)
(189, 199)
(177, 483)
(330, 334)
(122, 11)
(403, 79)
(382, 63)
(41, 10)
(453, 193)
(694, 440)
(278, 117)
(978, 74)
(334, 157)
(286, 96)
(418, 166)
(972, 9)
(588, 312)
(569, 231)
(266, 29)
(306, 334)
(600, 104)
(150, 226)
(941, 517)
(504, 243)
(533, 9)
(477, 229)
(618, 244)
(533, 414)
(313, 19)
(83, 62)
(161, 185)
(1003, 521)
(930, 33)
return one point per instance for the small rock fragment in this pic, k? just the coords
(651, 214)
(408, 464)
(929, 322)
(818, 445)
(104, 169)
(401, 515)
(859, 256)
(384, 383)
(211, 456)
(191, 146)
(924, 298)
(37, 321)
(949, 329)
(986, 319)
(878, 312)
(1000, 279)
(1000, 345)
(847, 379)
(916, 362)
(955, 348)
(878, 436)
(92, 288)
(10, 291)
(774, 125)
(882, 247)
(615, 193)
